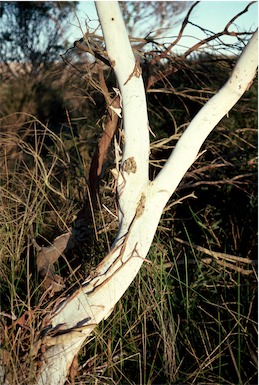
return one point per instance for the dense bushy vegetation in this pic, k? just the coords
(190, 317)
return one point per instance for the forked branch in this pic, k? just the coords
(141, 202)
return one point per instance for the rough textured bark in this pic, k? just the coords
(141, 202)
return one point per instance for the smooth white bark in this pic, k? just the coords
(141, 202)
(98, 295)
(204, 122)
(134, 166)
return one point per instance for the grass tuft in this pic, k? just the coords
(190, 315)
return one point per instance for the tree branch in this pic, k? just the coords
(141, 203)
(134, 167)
(213, 111)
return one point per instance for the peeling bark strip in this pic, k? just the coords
(137, 71)
(81, 230)
(141, 202)
(101, 151)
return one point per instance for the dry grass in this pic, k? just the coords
(183, 320)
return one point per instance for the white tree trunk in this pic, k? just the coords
(140, 202)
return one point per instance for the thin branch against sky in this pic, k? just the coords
(212, 15)
(207, 18)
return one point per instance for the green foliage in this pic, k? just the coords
(31, 32)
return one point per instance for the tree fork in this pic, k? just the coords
(141, 202)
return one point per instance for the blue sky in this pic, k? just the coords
(209, 14)
(215, 14)
(212, 15)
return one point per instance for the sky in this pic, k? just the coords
(212, 15)
(218, 13)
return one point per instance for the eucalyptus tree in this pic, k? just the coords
(138, 64)
(140, 200)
